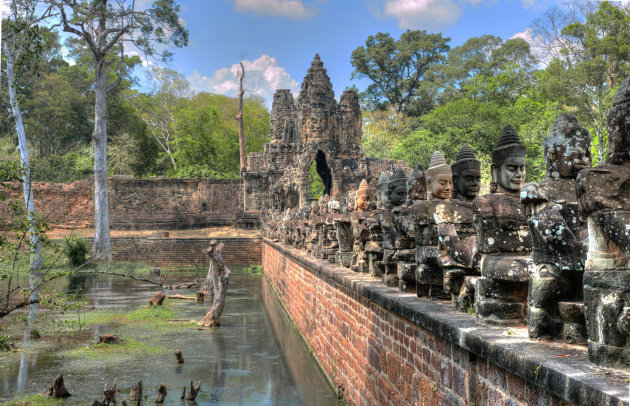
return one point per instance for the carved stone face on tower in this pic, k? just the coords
(398, 188)
(508, 162)
(466, 174)
(567, 148)
(439, 178)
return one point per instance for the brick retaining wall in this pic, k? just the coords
(142, 204)
(383, 347)
(185, 252)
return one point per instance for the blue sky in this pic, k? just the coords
(278, 38)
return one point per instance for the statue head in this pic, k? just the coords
(361, 200)
(382, 198)
(567, 148)
(466, 174)
(439, 178)
(397, 188)
(417, 185)
(618, 121)
(508, 163)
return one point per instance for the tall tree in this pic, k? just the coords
(168, 90)
(397, 67)
(587, 49)
(21, 43)
(106, 26)
(239, 117)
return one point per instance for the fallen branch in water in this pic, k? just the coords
(181, 297)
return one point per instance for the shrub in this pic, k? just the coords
(76, 250)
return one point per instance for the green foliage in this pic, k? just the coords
(76, 250)
(207, 134)
(315, 181)
(397, 67)
(6, 343)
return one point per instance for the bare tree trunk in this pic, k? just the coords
(219, 274)
(101, 247)
(36, 262)
(239, 116)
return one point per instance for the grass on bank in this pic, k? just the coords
(33, 400)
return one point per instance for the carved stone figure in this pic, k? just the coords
(382, 192)
(508, 163)
(417, 186)
(457, 238)
(397, 188)
(393, 240)
(559, 236)
(429, 275)
(466, 174)
(361, 201)
(604, 197)
(439, 178)
(503, 239)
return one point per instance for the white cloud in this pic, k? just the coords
(536, 46)
(423, 14)
(262, 77)
(294, 9)
(433, 15)
(528, 3)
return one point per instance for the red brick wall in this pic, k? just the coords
(377, 357)
(142, 203)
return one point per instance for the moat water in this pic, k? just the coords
(256, 357)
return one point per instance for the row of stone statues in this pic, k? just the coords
(553, 254)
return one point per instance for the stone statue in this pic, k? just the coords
(559, 236)
(457, 238)
(604, 197)
(397, 188)
(382, 192)
(393, 240)
(361, 202)
(503, 239)
(429, 275)
(417, 186)
(439, 178)
(508, 163)
(466, 174)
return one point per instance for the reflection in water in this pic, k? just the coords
(311, 384)
(254, 358)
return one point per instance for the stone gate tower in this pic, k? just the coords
(318, 129)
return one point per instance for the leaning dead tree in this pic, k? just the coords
(218, 279)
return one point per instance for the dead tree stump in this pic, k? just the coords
(109, 339)
(57, 389)
(200, 297)
(183, 396)
(180, 357)
(136, 391)
(109, 395)
(157, 299)
(161, 393)
(194, 391)
(219, 278)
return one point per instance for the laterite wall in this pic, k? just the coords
(382, 347)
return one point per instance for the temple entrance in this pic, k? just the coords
(319, 177)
